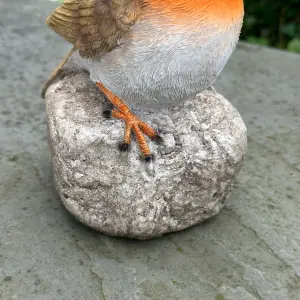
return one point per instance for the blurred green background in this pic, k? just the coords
(274, 23)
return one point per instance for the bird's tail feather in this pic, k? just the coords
(56, 73)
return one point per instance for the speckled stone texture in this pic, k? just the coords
(117, 193)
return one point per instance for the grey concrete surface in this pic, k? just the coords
(251, 250)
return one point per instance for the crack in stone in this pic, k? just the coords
(251, 289)
(100, 281)
(253, 292)
(238, 217)
(250, 139)
(94, 274)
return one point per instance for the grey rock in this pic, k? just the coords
(117, 193)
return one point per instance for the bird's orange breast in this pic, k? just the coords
(189, 11)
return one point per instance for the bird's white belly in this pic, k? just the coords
(164, 69)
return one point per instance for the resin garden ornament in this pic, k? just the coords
(155, 61)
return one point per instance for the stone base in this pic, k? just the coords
(118, 194)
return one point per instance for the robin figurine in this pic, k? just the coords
(148, 53)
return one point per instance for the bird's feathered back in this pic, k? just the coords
(94, 26)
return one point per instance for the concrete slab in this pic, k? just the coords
(250, 251)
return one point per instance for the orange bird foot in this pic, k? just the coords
(132, 125)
